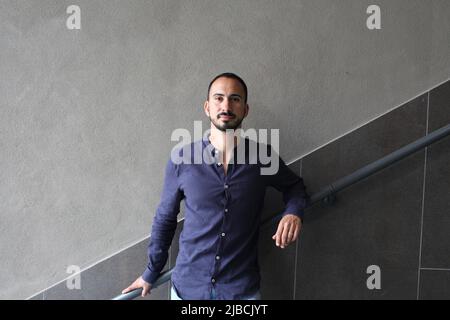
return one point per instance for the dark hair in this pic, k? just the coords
(231, 76)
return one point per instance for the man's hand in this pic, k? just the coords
(288, 230)
(139, 283)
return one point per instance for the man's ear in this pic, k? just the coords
(246, 110)
(206, 108)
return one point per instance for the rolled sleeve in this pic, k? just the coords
(295, 197)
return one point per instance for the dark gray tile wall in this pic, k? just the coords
(434, 285)
(377, 221)
(374, 222)
(436, 219)
(436, 226)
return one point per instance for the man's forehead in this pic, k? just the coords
(221, 85)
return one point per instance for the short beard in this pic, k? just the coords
(227, 125)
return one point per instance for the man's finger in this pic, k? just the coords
(274, 237)
(290, 234)
(127, 289)
(278, 234)
(284, 235)
(296, 232)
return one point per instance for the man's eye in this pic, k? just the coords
(218, 98)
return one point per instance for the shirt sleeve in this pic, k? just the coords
(295, 197)
(164, 224)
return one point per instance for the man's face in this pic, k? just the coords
(226, 107)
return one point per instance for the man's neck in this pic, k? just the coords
(224, 141)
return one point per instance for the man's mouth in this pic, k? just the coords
(227, 116)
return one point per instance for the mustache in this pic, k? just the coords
(229, 113)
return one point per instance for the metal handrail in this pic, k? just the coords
(163, 278)
(327, 193)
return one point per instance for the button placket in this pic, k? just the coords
(221, 235)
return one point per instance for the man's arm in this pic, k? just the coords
(163, 230)
(295, 199)
(164, 224)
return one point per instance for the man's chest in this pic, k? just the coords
(200, 182)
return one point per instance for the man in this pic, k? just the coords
(218, 245)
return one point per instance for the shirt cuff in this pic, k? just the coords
(150, 276)
(299, 213)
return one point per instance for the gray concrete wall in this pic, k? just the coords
(86, 115)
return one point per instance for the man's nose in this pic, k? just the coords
(226, 105)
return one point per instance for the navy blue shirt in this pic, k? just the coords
(219, 242)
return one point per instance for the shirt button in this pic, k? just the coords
(226, 186)
(226, 210)
(219, 164)
(217, 257)
(213, 280)
(223, 234)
